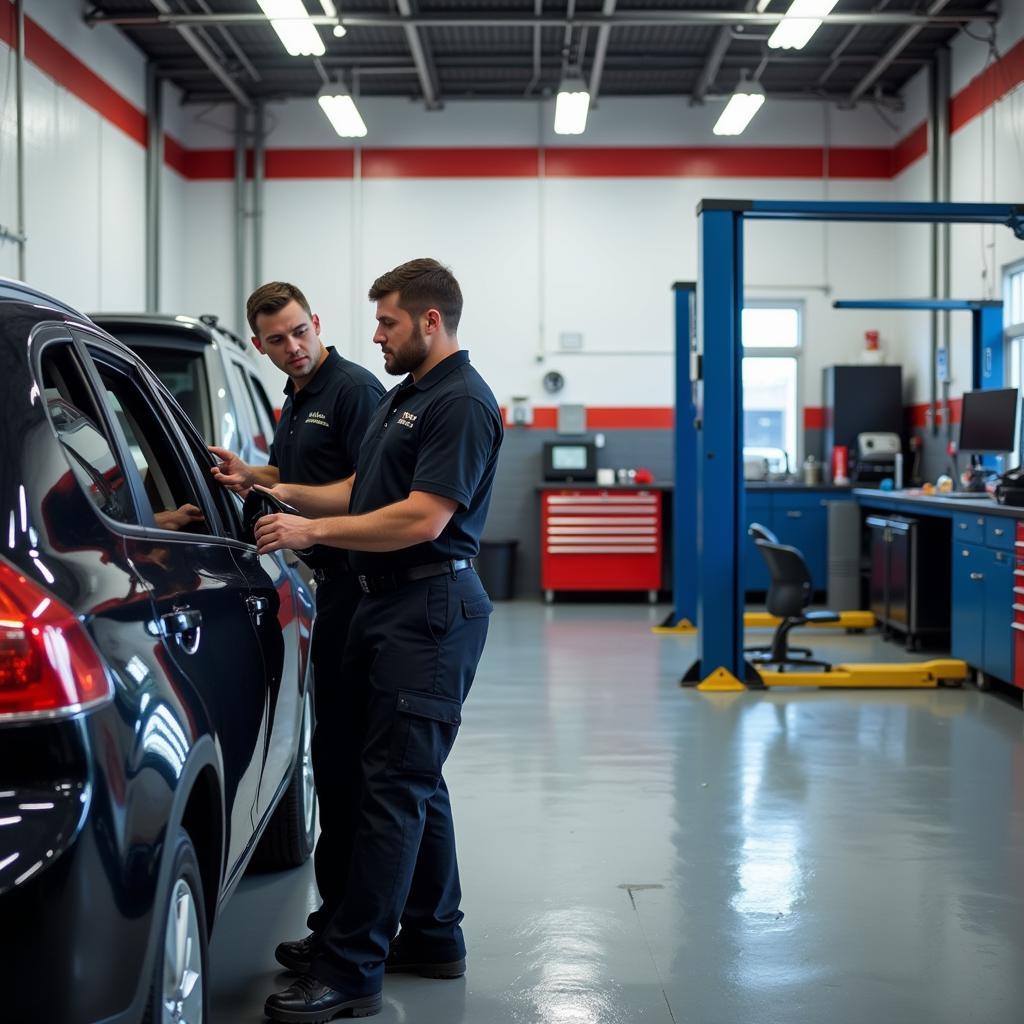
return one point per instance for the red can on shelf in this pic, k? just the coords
(840, 464)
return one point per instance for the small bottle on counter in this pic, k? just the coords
(897, 472)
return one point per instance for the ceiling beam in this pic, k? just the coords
(600, 51)
(206, 55)
(893, 52)
(715, 57)
(638, 18)
(843, 44)
(420, 55)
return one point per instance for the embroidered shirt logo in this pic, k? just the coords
(407, 419)
(318, 419)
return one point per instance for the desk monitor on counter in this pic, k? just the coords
(988, 421)
(566, 461)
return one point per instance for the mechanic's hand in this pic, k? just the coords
(279, 531)
(231, 472)
(280, 491)
(179, 518)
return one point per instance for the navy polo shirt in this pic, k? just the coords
(440, 434)
(321, 428)
(322, 424)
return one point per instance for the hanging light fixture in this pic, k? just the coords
(802, 20)
(572, 105)
(331, 10)
(339, 106)
(743, 104)
(290, 20)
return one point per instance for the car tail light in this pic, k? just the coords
(48, 665)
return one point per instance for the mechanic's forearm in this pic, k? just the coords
(385, 529)
(317, 501)
(267, 476)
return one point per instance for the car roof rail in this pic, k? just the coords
(12, 289)
(213, 321)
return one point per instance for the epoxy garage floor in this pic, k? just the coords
(633, 852)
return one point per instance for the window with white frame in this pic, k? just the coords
(772, 335)
(1013, 318)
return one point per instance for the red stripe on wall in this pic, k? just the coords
(451, 163)
(909, 149)
(985, 89)
(176, 155)
(309, 163)
(917, 414)
(629, 418)
(209, 164)
(68, 71)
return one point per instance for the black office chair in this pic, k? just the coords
(759, 652)
(788, 597)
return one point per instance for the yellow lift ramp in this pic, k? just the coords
(921, 675)
(858, 620)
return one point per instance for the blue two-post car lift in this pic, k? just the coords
(712, 428)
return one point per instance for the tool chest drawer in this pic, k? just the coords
(601, 540)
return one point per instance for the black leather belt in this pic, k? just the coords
(331, 573)
(393, 580)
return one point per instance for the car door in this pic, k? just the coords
(282, 614)
(201, 597)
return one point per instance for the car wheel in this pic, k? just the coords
(179, 992)
(291, 832)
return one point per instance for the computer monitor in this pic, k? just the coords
(570, 460)
(988, 422)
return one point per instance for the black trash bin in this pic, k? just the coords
(496, 565)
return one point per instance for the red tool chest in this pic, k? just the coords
(601, 540)
(1018, 607)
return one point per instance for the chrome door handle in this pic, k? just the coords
(793, 513)
(257, 606)
(977, 575)
(185, 625)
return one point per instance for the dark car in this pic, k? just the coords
(213, 375)
(154, 685)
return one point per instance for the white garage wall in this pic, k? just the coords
(84, 202)
(537, 258)
(987, 165)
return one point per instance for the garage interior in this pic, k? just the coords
(798, 320)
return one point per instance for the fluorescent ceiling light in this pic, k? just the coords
(329, 9)
(571, 106)
(340, 108)
(290, 21)
(802, 20)
(743, 104)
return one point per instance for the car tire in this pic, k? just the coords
(291, 832)
(179, 991)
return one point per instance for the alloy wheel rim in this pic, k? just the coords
(183, 965)
(308, 787)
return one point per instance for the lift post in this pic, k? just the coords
(719, 404)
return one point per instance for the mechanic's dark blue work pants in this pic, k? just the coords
(337, 740)
(412, 653)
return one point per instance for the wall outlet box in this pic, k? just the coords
(519, 412)
(572, 419)
(570, 341)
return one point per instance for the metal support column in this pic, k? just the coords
(241, 114)
(719, 412)
(19, 16)
(684, 498)
(987, 345)
(258, 179)
(154, 166)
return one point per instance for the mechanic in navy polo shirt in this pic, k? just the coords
(328, 405)
(416, 508)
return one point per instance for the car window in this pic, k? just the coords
(183, 373)
(229, 505)
(263, 405)
(82, 435)
(171, 492)
(258, 435)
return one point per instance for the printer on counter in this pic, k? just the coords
(876, 456)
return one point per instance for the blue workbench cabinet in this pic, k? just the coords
(799, 517)
(982, 610)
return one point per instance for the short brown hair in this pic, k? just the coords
(421, 285)
(272, 297)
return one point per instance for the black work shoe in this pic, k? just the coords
(404, 960)
(309, 1001)
(296, 956)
